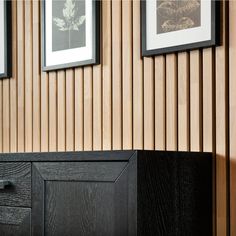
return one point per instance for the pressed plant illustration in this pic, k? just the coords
(178, 14)
(71, 20)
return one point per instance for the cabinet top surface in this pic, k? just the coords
(90, 155)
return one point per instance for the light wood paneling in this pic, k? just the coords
(232, 114)
(160, 103)
(13, 84)
(137, 80)
(222, 127)
(28, 77)
(88, 108)
(195, 101)
(106, 69)
(117, 74)
(127, 73)
(171, 102)
(182, 101)
(61, 110)
(36, 76)
(70, 110)
(20, 76)
(79, 109)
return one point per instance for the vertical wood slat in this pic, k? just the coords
(70, 110)
(171, 102)
(79, 110)
(6, 114)
(221, 72)
(195, 101)
(97, 108)
(44, 113)
(106, 67)
(20, 77)
(208, 99)
(232, 113)
(36, 76)
(160, 103)
(183, 102)
(61, 111)
(148, 104)
(137, 80)
(88, 108)
(13, 83)
(52, 111)
(127, 73)
(28, 78)
(117, 74)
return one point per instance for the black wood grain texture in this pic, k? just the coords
(80, 198)
(15, 221)
(18, 193)
(174, 194)
(82, 171)
(68, 156)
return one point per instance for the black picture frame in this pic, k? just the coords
(7, 40)
(214, 41)
(95, 41)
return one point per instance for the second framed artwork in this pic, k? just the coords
(178, 25)
(70, 33)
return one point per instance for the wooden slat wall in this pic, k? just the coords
(179, 101)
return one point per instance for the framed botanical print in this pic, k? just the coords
(178, 25)
(70, 33)
(5, 38)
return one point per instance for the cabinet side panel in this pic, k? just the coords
(174, 194)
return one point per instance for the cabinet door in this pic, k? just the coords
(80, 198)
(14, 221)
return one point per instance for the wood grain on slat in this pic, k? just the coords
(52, 111)
(106, 67)
(183, 101)
(36, 75)
(79, 110)
(70, 110)
(28, 78)
(6, 115)
(160, 103)
(171, 102)
(61, 110)
(13, 83)
(116, 74)
(232, 113)
(148, 104)
(208, 96)
(97, 108)
(127, 73)
(195, 101)
(222, 128)
(20, 77)
(44, 112)
(137, 80)
(88, 108)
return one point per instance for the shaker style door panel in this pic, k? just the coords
(15, 221)
(86, 198)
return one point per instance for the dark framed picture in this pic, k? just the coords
(179, 25)
(5, 38)
(70, 33)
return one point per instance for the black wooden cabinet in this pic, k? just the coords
(106, 193)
